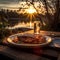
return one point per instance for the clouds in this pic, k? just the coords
(8, 1)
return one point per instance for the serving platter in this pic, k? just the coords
(12, 37)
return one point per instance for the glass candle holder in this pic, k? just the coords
(37, 27)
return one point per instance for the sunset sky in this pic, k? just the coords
(14, 4)
(9, 3)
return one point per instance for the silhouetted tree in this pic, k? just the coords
(56, 22)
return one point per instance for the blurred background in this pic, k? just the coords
(15, 14)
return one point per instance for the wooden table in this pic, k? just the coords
(45, 53)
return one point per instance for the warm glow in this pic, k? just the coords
(38, 30)
(31, 10)
(30, 24)
(37, 27)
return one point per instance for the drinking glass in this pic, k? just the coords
(37, 27)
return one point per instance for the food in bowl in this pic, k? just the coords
(30, 40)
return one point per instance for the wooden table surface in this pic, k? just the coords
(50, 52)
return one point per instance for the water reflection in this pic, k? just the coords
(23, 25)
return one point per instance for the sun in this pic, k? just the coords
(31, 10)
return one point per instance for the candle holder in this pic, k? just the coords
(37, 27)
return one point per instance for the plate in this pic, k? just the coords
(56, 42)
(10, 40)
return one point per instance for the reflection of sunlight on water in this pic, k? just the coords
(23, 24)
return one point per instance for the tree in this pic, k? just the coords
(53, 23)
(56, 22)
